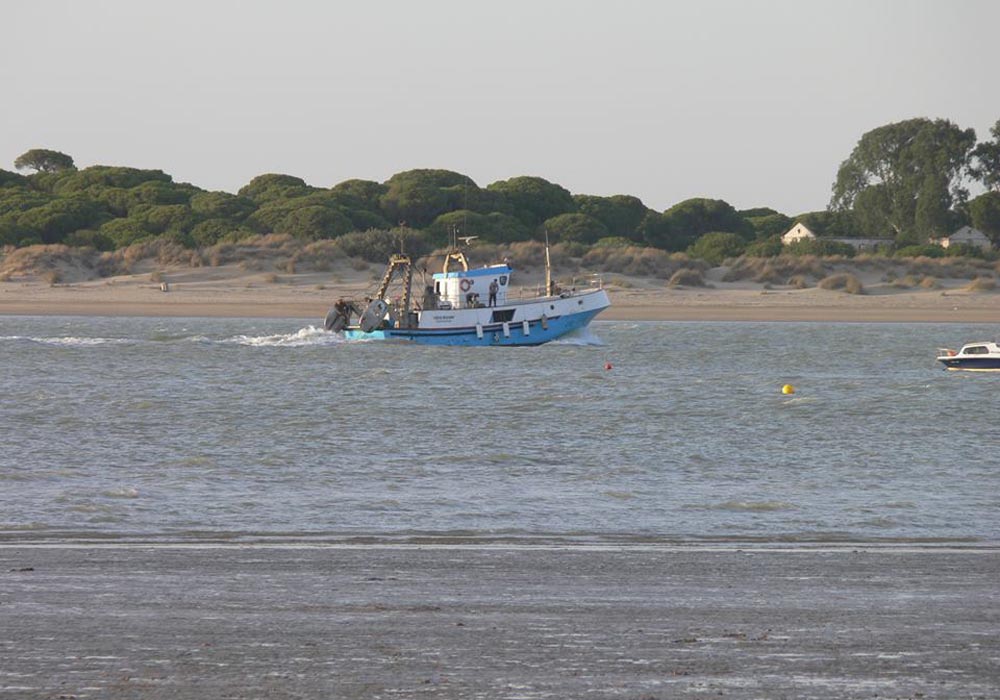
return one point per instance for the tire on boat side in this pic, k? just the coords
(335, 321)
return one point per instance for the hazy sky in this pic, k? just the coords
(754, 102)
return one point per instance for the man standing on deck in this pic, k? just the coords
(494, 288)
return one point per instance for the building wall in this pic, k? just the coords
(967, 236)
(797, 232)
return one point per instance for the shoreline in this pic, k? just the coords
(727, 309)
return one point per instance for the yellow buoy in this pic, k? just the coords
(788, 389)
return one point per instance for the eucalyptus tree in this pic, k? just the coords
(984, 211)
(986, 160)
(905, 177)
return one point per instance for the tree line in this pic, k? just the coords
(905, 181)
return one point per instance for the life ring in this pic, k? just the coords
(465, 284)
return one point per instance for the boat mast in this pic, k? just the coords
(548, 267)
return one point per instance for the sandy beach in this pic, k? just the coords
(229, 291)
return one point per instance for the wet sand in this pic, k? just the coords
(498, 622)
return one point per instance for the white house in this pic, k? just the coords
(798, 232)
(801, 232)
(967, 236)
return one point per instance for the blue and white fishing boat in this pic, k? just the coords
(465, 306)
(975, 357)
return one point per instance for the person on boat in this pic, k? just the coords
(430, 298)
(494, 288)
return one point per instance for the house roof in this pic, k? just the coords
(799, 224)
(968, 231)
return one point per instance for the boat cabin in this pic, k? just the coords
(985, 348)
(466, 289)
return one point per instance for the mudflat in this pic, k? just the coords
(474, 621)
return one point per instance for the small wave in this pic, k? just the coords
(620, 495)
(798, 400)
(754, 506)
(90, 508)
(303, 337)
(122, 492)
(881, 521)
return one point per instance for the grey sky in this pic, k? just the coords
(756, 103)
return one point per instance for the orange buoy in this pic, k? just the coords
(607, 365)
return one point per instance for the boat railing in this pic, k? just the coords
(577, 284)
(595, 280)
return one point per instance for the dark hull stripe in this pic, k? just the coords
(464, 330)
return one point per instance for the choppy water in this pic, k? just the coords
(183, 429)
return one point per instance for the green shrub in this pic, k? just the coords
(88, 238)
(767, 248)
(964, 250)
(377, 245)
(614, 242)
(716, 246)
(821, 247)
(927, 250)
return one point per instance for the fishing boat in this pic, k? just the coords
(465, 306)
(981, 356)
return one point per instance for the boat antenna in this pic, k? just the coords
(402, 237)
(548, 266)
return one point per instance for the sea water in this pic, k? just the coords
(234, 429)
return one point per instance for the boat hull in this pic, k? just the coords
(492, 335)
(529, 322)
(971, 364)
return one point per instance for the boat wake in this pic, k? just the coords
(583, 336)
(71, 341)
(304, 337)
(310, 336)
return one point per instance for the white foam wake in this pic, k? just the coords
(70, 341)
(583, 336)
(309, 335)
